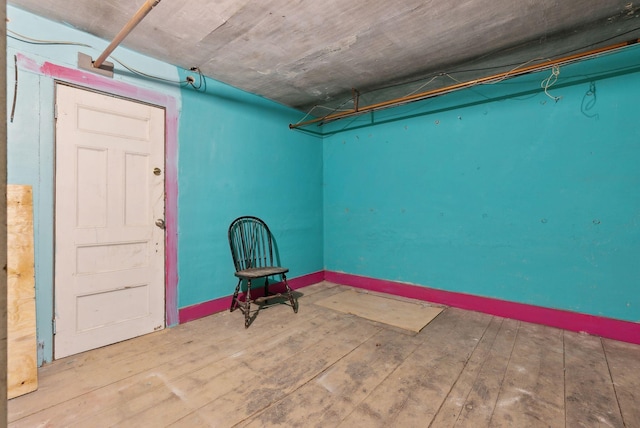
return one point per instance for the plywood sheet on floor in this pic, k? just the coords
(403, 314)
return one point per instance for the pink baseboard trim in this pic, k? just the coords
(306, 280)
(210, 307)
(203, 309)
(625, 331)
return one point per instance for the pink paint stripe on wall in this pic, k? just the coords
(210, 307)
(306, 280)
(573, 321)
(204, 309)
(625, 331)
(96, 82)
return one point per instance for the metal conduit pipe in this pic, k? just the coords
(135, 20)
(441, 91)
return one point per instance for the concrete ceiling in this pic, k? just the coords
(312, 53)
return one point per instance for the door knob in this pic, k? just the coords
(160, 223)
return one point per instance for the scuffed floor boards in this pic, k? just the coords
(325, 368)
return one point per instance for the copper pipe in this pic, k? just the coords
(435, 92)
(135, 20)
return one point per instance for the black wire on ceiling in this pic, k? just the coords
(493, 67)
(434, 75)
(559, 54)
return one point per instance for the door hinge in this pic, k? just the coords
(55, 111)
(53, 325)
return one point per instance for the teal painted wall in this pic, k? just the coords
(30, 145)
(498, 191)
(238, 157)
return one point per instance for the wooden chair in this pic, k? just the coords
(252, 252)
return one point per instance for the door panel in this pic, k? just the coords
(109, 258)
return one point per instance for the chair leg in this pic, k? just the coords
(247, 305)
(266, 286)
(234, 299)
(294, 304)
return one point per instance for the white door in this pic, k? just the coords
(109, 252)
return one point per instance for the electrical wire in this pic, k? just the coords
(149, 76)
(550, 81)
(307, 115)
(501, 66)
(546, 84)
(331, 108)
(513, 70)
(26, 39)
(15, 88)
(201, 80)
(424, 84)
(432, 76)
(561, 54)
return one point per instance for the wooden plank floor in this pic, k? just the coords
(321, 368)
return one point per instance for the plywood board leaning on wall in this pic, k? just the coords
(21, 311)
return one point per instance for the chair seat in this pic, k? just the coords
(260, 272)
